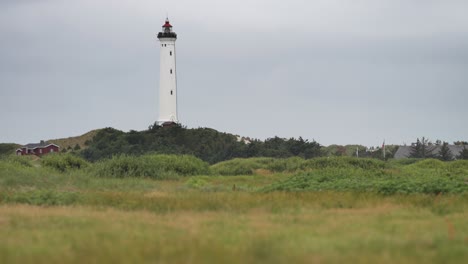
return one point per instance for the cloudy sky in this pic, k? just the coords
(337, 71)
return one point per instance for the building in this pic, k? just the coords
(404, 152)
(38, 149)
(167, 76)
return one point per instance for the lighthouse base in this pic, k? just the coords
(168, 124)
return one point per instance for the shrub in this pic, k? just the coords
(458, 164)
(429, 164)
(7, 149)
(338, 174)
(287, 165)
(24, 161)
(180, 164)
(402, 162)
(241, 166)
(63, 162)
(152, 166)
(344, 162)
(248, 166)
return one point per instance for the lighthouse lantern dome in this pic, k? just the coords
(167, 27)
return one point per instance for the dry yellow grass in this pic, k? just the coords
(263, 172)
(71, 142)
(386, 232)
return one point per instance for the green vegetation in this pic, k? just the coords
(150, 166)
(240, 228)
(422, 149)
(207, 144)
(294, 164)
(463, 154)
(444, 153)
(242, 166)
(178, 209)
(429, 176)
(7, 149)
(63, 162)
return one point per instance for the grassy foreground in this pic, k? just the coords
(273, 228)
(75, 216)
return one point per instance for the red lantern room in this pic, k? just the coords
(167, 27)
(167, 31)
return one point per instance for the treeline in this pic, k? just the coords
(213, 146)
(424, 149)
(205, 143)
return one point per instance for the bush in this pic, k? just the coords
(248, 166)
(429, 164)
(8, 149)
(287, 165)
(432, 184)
(347, 174)
(63, 162)
(402, 162)
(152, 166)
(14, 174)
(344, 162)
(24, 161)
(241, 166)
(180, 164)
(458, 164)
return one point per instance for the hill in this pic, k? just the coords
(205, 143)
(71, 142)
(208, 144)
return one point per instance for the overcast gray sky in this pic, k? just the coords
(337, 71)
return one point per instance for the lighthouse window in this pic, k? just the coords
(171, 71)
(170, 53)
(171, 92)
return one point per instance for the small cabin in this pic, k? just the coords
(37, 149)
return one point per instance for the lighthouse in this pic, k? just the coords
(167, 76)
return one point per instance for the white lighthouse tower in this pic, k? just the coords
(167, 76)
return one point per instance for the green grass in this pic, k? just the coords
(278, 211)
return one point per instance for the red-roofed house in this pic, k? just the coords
(39, 149)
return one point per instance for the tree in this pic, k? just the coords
(444, 153)
(422, 149)
(77, 147)
(340, 151)
(463, 154)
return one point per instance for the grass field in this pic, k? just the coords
(56, 213)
